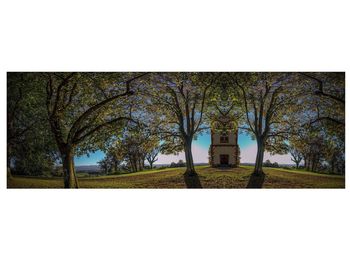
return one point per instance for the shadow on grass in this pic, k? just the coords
(192, 181)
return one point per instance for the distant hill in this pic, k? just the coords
(87, 168)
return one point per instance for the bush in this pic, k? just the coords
(181, 163)
(275, 164)
(268, 163)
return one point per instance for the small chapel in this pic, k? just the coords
(224, 150)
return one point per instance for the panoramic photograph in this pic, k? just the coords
(176, 130)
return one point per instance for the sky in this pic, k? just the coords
(200, 149)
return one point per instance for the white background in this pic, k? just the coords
(172, 225)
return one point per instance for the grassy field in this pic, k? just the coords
(209, 177)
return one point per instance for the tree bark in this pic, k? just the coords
(314, 163)
(190, 171)
(190, 175)
(333, 165)
(9, 175)
(257, 178)
(8, 161)
(307, 160)
(70, 180)
(139, 164)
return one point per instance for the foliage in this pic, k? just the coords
(151, 155)
(320, 150)
(133, 117)
(84, 109)
(180, 163)
(268, 101)
(268, 163)
(297, 156)
(176, 102)
(31, 149)
(132, 148)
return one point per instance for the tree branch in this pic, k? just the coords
(99, 105)
(321, 88)
(99, 127)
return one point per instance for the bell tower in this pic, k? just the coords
(224, 150)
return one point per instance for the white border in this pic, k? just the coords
(173, 225)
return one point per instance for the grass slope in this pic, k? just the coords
(209, 177)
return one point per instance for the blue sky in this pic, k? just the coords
(200, 153)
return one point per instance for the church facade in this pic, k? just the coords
(224, 150)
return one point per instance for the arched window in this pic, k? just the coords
(223, 137)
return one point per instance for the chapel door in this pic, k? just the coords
(223, 159)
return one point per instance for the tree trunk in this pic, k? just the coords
(257, 178)
(308, 162)
(9, 174)
(133, 164)
(190, 171)
(333, 165)
(190, 175)
(314, 163)
(138, 163)
(8, 166)
(305, 162)
(116, 164)
(141, 163)
(70, 180)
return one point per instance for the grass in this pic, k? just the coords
(209, 177)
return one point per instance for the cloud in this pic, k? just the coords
(248, 155)
(200, 155)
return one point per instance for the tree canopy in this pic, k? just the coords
(54, 116)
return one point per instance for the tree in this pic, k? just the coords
(267, 163)
(329, 89)
(80, 105)
(115, 159)
(309, 142)
(133, 146)
(135, 153)
(104, 165)
(31, 148)
(334, 154)
(320, 148)
(151, 156)
(181, 163)
(268, 98)
(319, 137)
(275, 164)
(111, 161)
(178, 100)
(297, 156)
